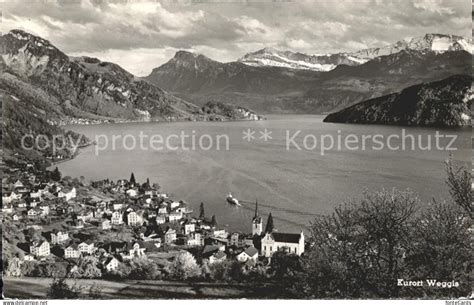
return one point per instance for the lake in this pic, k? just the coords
(295, 185)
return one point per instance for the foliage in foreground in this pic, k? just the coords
(59, 289)
(363, 249)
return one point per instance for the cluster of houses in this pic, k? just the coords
(33, 200)
(155, 222)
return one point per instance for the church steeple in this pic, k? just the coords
(257, 225)
(256, 209)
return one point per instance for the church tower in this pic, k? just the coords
(257, 225)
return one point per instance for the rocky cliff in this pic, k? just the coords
(443, 103)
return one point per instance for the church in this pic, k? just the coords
(272, 241)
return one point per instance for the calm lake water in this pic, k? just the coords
(294, 185)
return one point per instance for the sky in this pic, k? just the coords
(142, 35)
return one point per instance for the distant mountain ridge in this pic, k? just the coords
(296, 60)
(326, 62)
(188, 72)
(271, 89)
(443, 103)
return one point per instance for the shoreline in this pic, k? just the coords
(76, 153)
(261, 118)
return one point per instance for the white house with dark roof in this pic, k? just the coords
(235, 240)
(251, 253)
(67, 194)
(217, 257)
(134, 218)
(174, 216)
(33, 213)
(111, 264)
(169, 236)
(106, 224)
(275, 241)
(194, 239)
(189, 227)
(40, 248)
(160, 219)
(117, 218)
(86, 247)
(18, 184)
(58, 237)
(72, 251)
(44, 209)
(132, 192)
(174, 204)
(137, 248)
(163, 210)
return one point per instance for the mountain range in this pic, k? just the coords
(83, 88)
(279, 89)
(325, 62)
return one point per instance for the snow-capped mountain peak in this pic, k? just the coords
(428, 43)
(293, 60)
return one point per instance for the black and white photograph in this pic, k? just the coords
(236, 150)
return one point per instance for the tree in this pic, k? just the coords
(269, 227)
(362, 249)
(132, 179)
(442, 251)
(14, 267)
(285, 266)
(185, 266)
(201, 211)
(235, 271)
(54, 270)
(358, 251)
(56, 174)
(32, 234)
(28, 267)
(459, 182)
(143, 269)
(88, 268)
(59, 289)
(218, 271)
(205, 269)
(213, 221)
(123, 271)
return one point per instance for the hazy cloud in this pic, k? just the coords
(140, 35)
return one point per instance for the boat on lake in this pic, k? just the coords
(230, 199)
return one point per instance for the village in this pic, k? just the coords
(75, 228)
